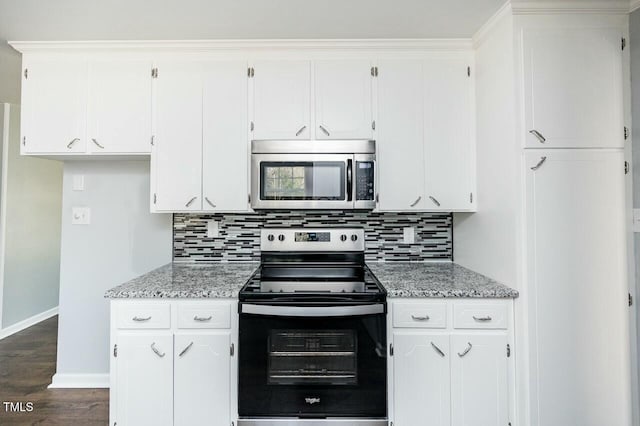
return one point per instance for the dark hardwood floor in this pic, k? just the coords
(27, 362)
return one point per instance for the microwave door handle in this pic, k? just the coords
(349, 180)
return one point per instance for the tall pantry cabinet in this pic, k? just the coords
(565, 200)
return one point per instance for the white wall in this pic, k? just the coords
(123, 241)
(10, 66)
(485, 241)
(30, 228)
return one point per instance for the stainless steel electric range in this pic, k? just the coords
(312, 346)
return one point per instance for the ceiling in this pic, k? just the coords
(241, 19)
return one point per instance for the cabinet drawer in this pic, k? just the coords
(204, 316)
(420, 315)
(485, 315)
(144, 315)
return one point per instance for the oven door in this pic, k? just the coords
(312, 362)
(302, 181)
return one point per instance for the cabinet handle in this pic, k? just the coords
(422, 318)
(415, 203)
(138, 319)
(202, 319)
(157, 352)
(436, 202)
(299, 132)
(73, 141)
(540, 163)
(482, 319)
(538, 135)
(190, 201)
(209, 202)
(437, 349)
(184, 351)
(466, 351)
(97, 143)
(325, 131)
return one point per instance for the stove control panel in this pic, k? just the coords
(326, 239)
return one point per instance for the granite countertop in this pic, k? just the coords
(224, 280)
(184, 280)
(437, 280)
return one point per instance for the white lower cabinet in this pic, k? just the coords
(171, 372)
(454, 375)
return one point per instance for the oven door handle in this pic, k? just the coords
(312, 311)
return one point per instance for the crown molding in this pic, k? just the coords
(634, 5)
(489, 26)
(202, 46)
(535, 7)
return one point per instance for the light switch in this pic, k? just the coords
(78, 182)
(409, 235)
(212, 229)
(80, 215)
(636, 220)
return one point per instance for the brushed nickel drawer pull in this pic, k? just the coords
(436, 202)
(190, 202)
(422, 318)
(415, 203)
(97, 143)
(437, 349)
(202, 319)
(73, 141)
(482, 319)
(538, 135)
(466, 351)
(138, 319)
(209, 202)
(153, 347)
(540, 163)
(184, 351)
(325, 131)
(299, 132)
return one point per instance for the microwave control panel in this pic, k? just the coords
(364, 180)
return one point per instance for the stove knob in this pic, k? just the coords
(270, 237)
(281, 237)
(343, 237)
(354, 237)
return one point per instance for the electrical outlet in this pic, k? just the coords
(213, 231)
(78, 182)
(80, 215)
(409, 235)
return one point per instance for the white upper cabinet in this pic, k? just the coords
(479, 381)
(54, 105)
(202, 383)
(119, 113)
(421, 382)
(449, 135)
(177, 150)
(577, 285)
(400, 130)
(573, 87)
(343, 99)
(281, 99)
(225, 140)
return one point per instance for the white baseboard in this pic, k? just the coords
(62, 381)
(19, 326)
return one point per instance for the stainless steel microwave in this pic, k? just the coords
(321, 175)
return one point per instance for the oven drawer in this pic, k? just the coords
(480, 315)
(144, 315)
(419, 315)
(204, 315)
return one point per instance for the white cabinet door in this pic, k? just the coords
(343, 99)
(119, 115)
(281, 99)
(202, 379)
(421, 382)
(177, 150)
(400, 135)
(573, 87)
(54, 105)
(448, 133)
(479, 380)
(225, 141)
(144, 374)
(577, 286)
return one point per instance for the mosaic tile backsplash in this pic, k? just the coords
(239, 234)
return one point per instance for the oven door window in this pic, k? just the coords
(323, 357)
(302, 180)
